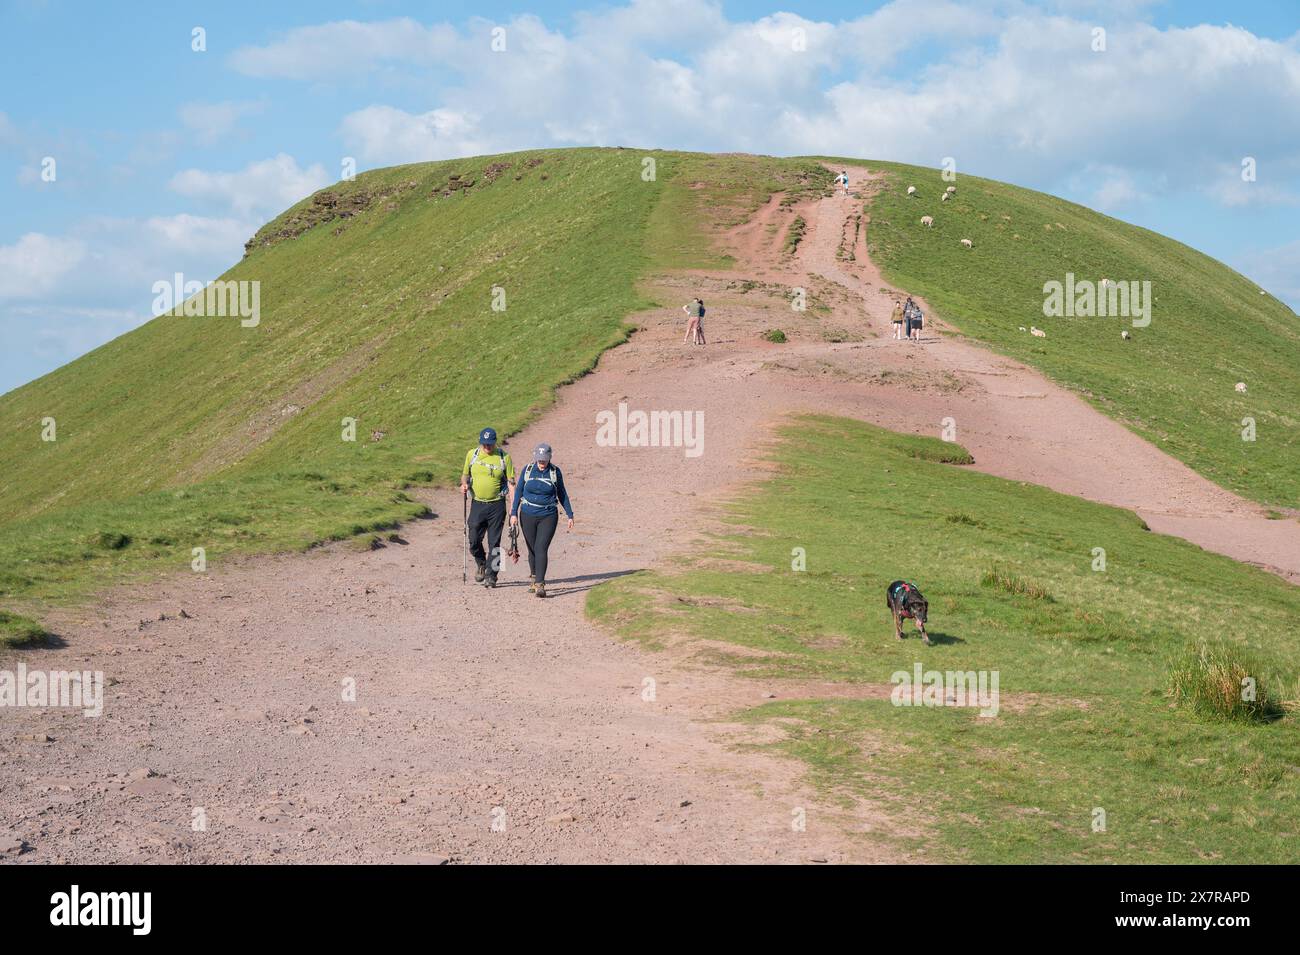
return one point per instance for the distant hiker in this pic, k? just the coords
(843, 180)
(897, 319)
(540, 493)
(694, 309)
(909, 315)
(917, 320)
(487, 472)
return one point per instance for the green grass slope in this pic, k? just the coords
(377, 305)
(1086, 658)
(1173, 382)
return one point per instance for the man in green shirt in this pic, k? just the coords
(488, 477)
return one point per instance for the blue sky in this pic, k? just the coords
(168, 159)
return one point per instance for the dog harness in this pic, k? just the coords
(902, 604)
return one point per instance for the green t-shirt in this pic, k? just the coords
(488, 473)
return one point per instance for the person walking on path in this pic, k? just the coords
(695, 325)
(487, 478)
(539, 495)
(897, 319)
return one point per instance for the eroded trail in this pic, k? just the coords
(492, 726)
(1020, 425)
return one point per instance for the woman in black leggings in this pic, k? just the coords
(536, 508)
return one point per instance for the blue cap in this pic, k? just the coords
(487, 436)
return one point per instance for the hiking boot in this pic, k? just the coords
(491, 581)
(480, 571)
(540, 590)
(532, 585)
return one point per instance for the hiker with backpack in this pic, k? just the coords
(911, 317)
(486, 480)
(539, 495)
(695, 325)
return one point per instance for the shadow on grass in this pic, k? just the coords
(943, 639)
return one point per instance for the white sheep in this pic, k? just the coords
(911, 190)
(1105, 283)
(1125, 335)
(968, 243)
(1023, 329)
(1037, 332)
(927, 221)
(945, 197)
(951, 189)
(1241, 387)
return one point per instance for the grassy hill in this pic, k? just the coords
(377, 305)
(1088, 658)
(1173, 382)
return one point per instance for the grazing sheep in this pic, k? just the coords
(1105, 283)
(1125, 335)
(911, 190)
(1023, 329)
(968, 243)
(1241, 387)
(951, 189)
(1037, 332)
(927, 221)
(945, 197)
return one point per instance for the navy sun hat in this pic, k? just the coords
(487, 436)
(542, 453)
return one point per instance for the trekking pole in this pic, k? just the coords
(464, 551)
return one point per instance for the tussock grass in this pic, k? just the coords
(16, 631)
(1002, 579)
(1219, 681)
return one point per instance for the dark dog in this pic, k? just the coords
(904, 600)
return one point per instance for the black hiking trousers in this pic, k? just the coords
(538, 532)
(487, 517)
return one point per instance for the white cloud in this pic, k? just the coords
(1277, 270)
(213, 122)
(261, 188)
(33, 266)
(383, 135)
(336, 51)
(1005, 88)
(8, 131)
(1273, 185)
(71, 293)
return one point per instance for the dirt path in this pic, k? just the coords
(494, 727)
(1020, 425)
